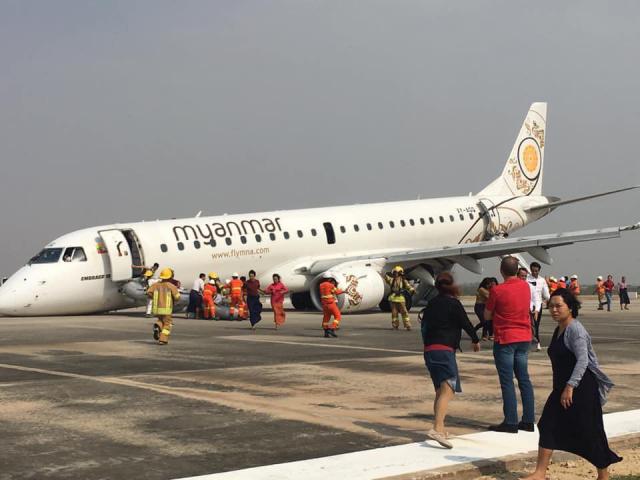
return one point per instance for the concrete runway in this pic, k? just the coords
(93, 397)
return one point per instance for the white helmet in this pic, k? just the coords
(599, 277)
(235, 275)
(328, 274)
(574, 277)
(212, 282)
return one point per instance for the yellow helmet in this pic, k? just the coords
(166, 274)
(213, 275)
(398, 269)
(148, 273)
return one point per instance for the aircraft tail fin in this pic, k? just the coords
(522, 175)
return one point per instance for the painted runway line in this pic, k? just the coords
(415, 457)
(322, 345)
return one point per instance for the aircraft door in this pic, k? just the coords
(119, 254)
(491, 218)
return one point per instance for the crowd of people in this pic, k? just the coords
(510, 314)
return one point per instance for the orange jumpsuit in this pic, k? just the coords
(562, 284)
(574, 287)
(208, 294)
(235, 287)
(328, 292)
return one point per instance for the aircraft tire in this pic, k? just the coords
(408, 300)
(384, 305)
(301, 301)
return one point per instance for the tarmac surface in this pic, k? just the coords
(94, 397)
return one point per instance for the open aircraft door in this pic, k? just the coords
(119, 254)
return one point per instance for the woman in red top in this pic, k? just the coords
(277, 290)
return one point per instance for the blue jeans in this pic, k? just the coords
(512, 358)
(609, 296)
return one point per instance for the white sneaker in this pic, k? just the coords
(439, 437)
(538, 347)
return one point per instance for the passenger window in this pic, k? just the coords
(462, 217)
(228, 241)
(272, 236)
(342, 229)
(369, 227)
(300, 233)
(243, 239)
(180, 246)
(402, 223)
(471, 216)
(380, 225)
(411, 222)
(431, 220)
(451, 218)
(163, 248)
(286, 235)
(314, 232)
(356, 228)
(391, 224)
(196, 244)
(441, 219)
(258, 238)
(422, 221)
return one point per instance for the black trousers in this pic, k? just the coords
(535, 324)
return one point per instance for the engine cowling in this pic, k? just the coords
(363, 286)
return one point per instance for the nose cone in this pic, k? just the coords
(7, 305)
(16, 295)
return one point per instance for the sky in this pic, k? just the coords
(137, 110)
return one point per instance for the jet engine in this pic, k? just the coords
(363, 288)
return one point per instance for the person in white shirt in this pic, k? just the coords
(523, 274)
(195, 296)
(541, 295)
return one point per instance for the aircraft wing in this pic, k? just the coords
(468, 254)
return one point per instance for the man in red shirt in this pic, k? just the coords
(509, 309)
(608, 290)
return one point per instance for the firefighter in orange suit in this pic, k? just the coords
(574, 286)
(163, 295)
(328, 292)
(208, 294)
(235, 287)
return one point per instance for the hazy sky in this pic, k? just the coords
(130, 110)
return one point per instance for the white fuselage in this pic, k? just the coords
(281, 242)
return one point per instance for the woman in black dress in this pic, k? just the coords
(572, 417)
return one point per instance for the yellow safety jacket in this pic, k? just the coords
(398, 286)
(163, 294)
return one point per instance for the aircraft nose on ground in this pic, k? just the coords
(8, 304)
(16, 293)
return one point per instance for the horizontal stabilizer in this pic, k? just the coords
(559, 203)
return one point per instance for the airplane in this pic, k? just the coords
(85, 271)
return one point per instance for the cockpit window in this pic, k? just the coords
(74, 254)
(48, 255)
